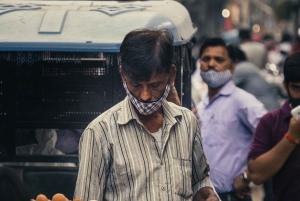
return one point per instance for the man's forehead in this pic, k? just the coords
(215, 50)
(155, 77)
(295, 83)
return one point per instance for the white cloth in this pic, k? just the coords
(199, 88)
(256, 53)
(157, 136)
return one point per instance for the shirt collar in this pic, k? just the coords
(226, 90)
(171, 115)
(127, 113)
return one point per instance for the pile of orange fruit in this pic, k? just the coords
(56, 197)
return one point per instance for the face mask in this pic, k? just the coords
(147, 108)
(215, 79)
(294, 102)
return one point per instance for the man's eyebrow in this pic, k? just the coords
(295, 84)
(157, 82)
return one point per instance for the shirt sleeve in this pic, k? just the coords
(262, 138)
(91, 175)
(251, 111)
(200, 166)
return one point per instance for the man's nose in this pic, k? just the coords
(146, 94)
(211, 63)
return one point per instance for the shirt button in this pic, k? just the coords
(153, 140)
(163, 188)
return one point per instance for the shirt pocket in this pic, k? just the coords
(182, 175)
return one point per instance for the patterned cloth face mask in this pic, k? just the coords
(147, 108)
(215, 79)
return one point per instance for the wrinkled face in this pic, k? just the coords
(151, 90)
(216, 58)
(293, 88)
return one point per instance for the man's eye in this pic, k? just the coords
(135, 85)
(296, 88)
(155, 85)
(205, 59)
(219, 59)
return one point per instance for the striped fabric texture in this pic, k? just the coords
(120, 160)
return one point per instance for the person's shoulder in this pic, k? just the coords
(243, 97)
(272, 115)
(108, 114)
(269, 119)
(245, 68)
(241, 94)
(180, 110)
(177, 107)
(246, 65)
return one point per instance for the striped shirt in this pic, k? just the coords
(120, 160)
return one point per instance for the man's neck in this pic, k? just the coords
(213, 92)
(150, 116)
(152, 121)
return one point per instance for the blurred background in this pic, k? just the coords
(217, 17)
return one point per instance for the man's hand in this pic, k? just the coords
(241, 187)
(173, 95)
(206, 194)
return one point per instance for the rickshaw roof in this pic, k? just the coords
(86, 26)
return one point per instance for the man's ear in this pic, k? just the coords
(172, 74)
(122, 74)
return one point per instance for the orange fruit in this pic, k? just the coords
(41, 197)
(59, 197)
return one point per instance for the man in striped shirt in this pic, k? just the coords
(144, 148)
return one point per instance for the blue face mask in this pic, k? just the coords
(147, 108)
(215, 79)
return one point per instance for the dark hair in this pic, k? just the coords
(245, 34)
(146, 51)
(268, 37)
(214, 42)
(240, 55)
(286, 37)
(291, 68)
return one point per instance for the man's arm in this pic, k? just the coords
(268, 164)
(250, 114)
(91, 175)
(202, 186)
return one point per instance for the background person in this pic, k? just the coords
(249, 77)
(275, 151)
(228, 117)
(255, 51)
(46, 140)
